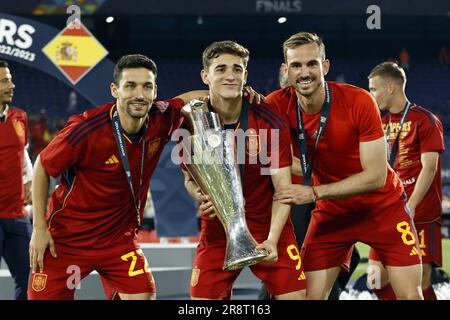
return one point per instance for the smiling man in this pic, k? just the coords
(104, 160)
(340, 143)
(225, 73)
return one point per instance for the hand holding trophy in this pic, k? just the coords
(212, 164)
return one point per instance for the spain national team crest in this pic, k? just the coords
(153, 147)
(39, 281)
(19, 127)
(194, 277)
(252, 143)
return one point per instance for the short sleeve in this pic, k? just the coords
(431, 135)
(64, 151)
(176, 115)
(280, 140)
(366, 117)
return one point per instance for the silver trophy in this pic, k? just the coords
(212, 164)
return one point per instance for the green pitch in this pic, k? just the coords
(364, 252)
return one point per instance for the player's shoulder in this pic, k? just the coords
(164, 107)
(94, 115)
(426, 115)
(281, 94)
(350, 96)
(349, 90)
(17, 112)
(268, 114)
(86, 124)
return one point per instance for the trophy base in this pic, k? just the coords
(244, 261)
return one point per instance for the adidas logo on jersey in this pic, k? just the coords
(414, 251)
(112, 160)
(302, 276)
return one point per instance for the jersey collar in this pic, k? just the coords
(4, 114)
(111, 112)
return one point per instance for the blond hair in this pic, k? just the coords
(302, 38)
(389, 70)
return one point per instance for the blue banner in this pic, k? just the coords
(22, 40)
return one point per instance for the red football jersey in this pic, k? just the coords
(421, 132)
(354, 118)
(93, 205)
(286, 100)
(258, 189)
(13, 139)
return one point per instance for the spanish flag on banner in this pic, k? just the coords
(75, 51)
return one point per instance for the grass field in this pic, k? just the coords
(364, 252)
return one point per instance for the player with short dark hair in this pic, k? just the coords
(105, 157)
(133, 61)
(268, 221)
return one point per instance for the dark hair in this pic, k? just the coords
(215, 49)
(133, 61)
(302, 38)
(389, 70)
(3, 64)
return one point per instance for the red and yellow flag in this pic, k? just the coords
(75, 51)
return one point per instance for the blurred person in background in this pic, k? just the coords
(15, 186)
(415, 143)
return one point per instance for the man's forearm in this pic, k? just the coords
(28, 167)
(40, 185)
(362, 182)
(191, 186)
(188, 96)
(280, 214)
(423, 183)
